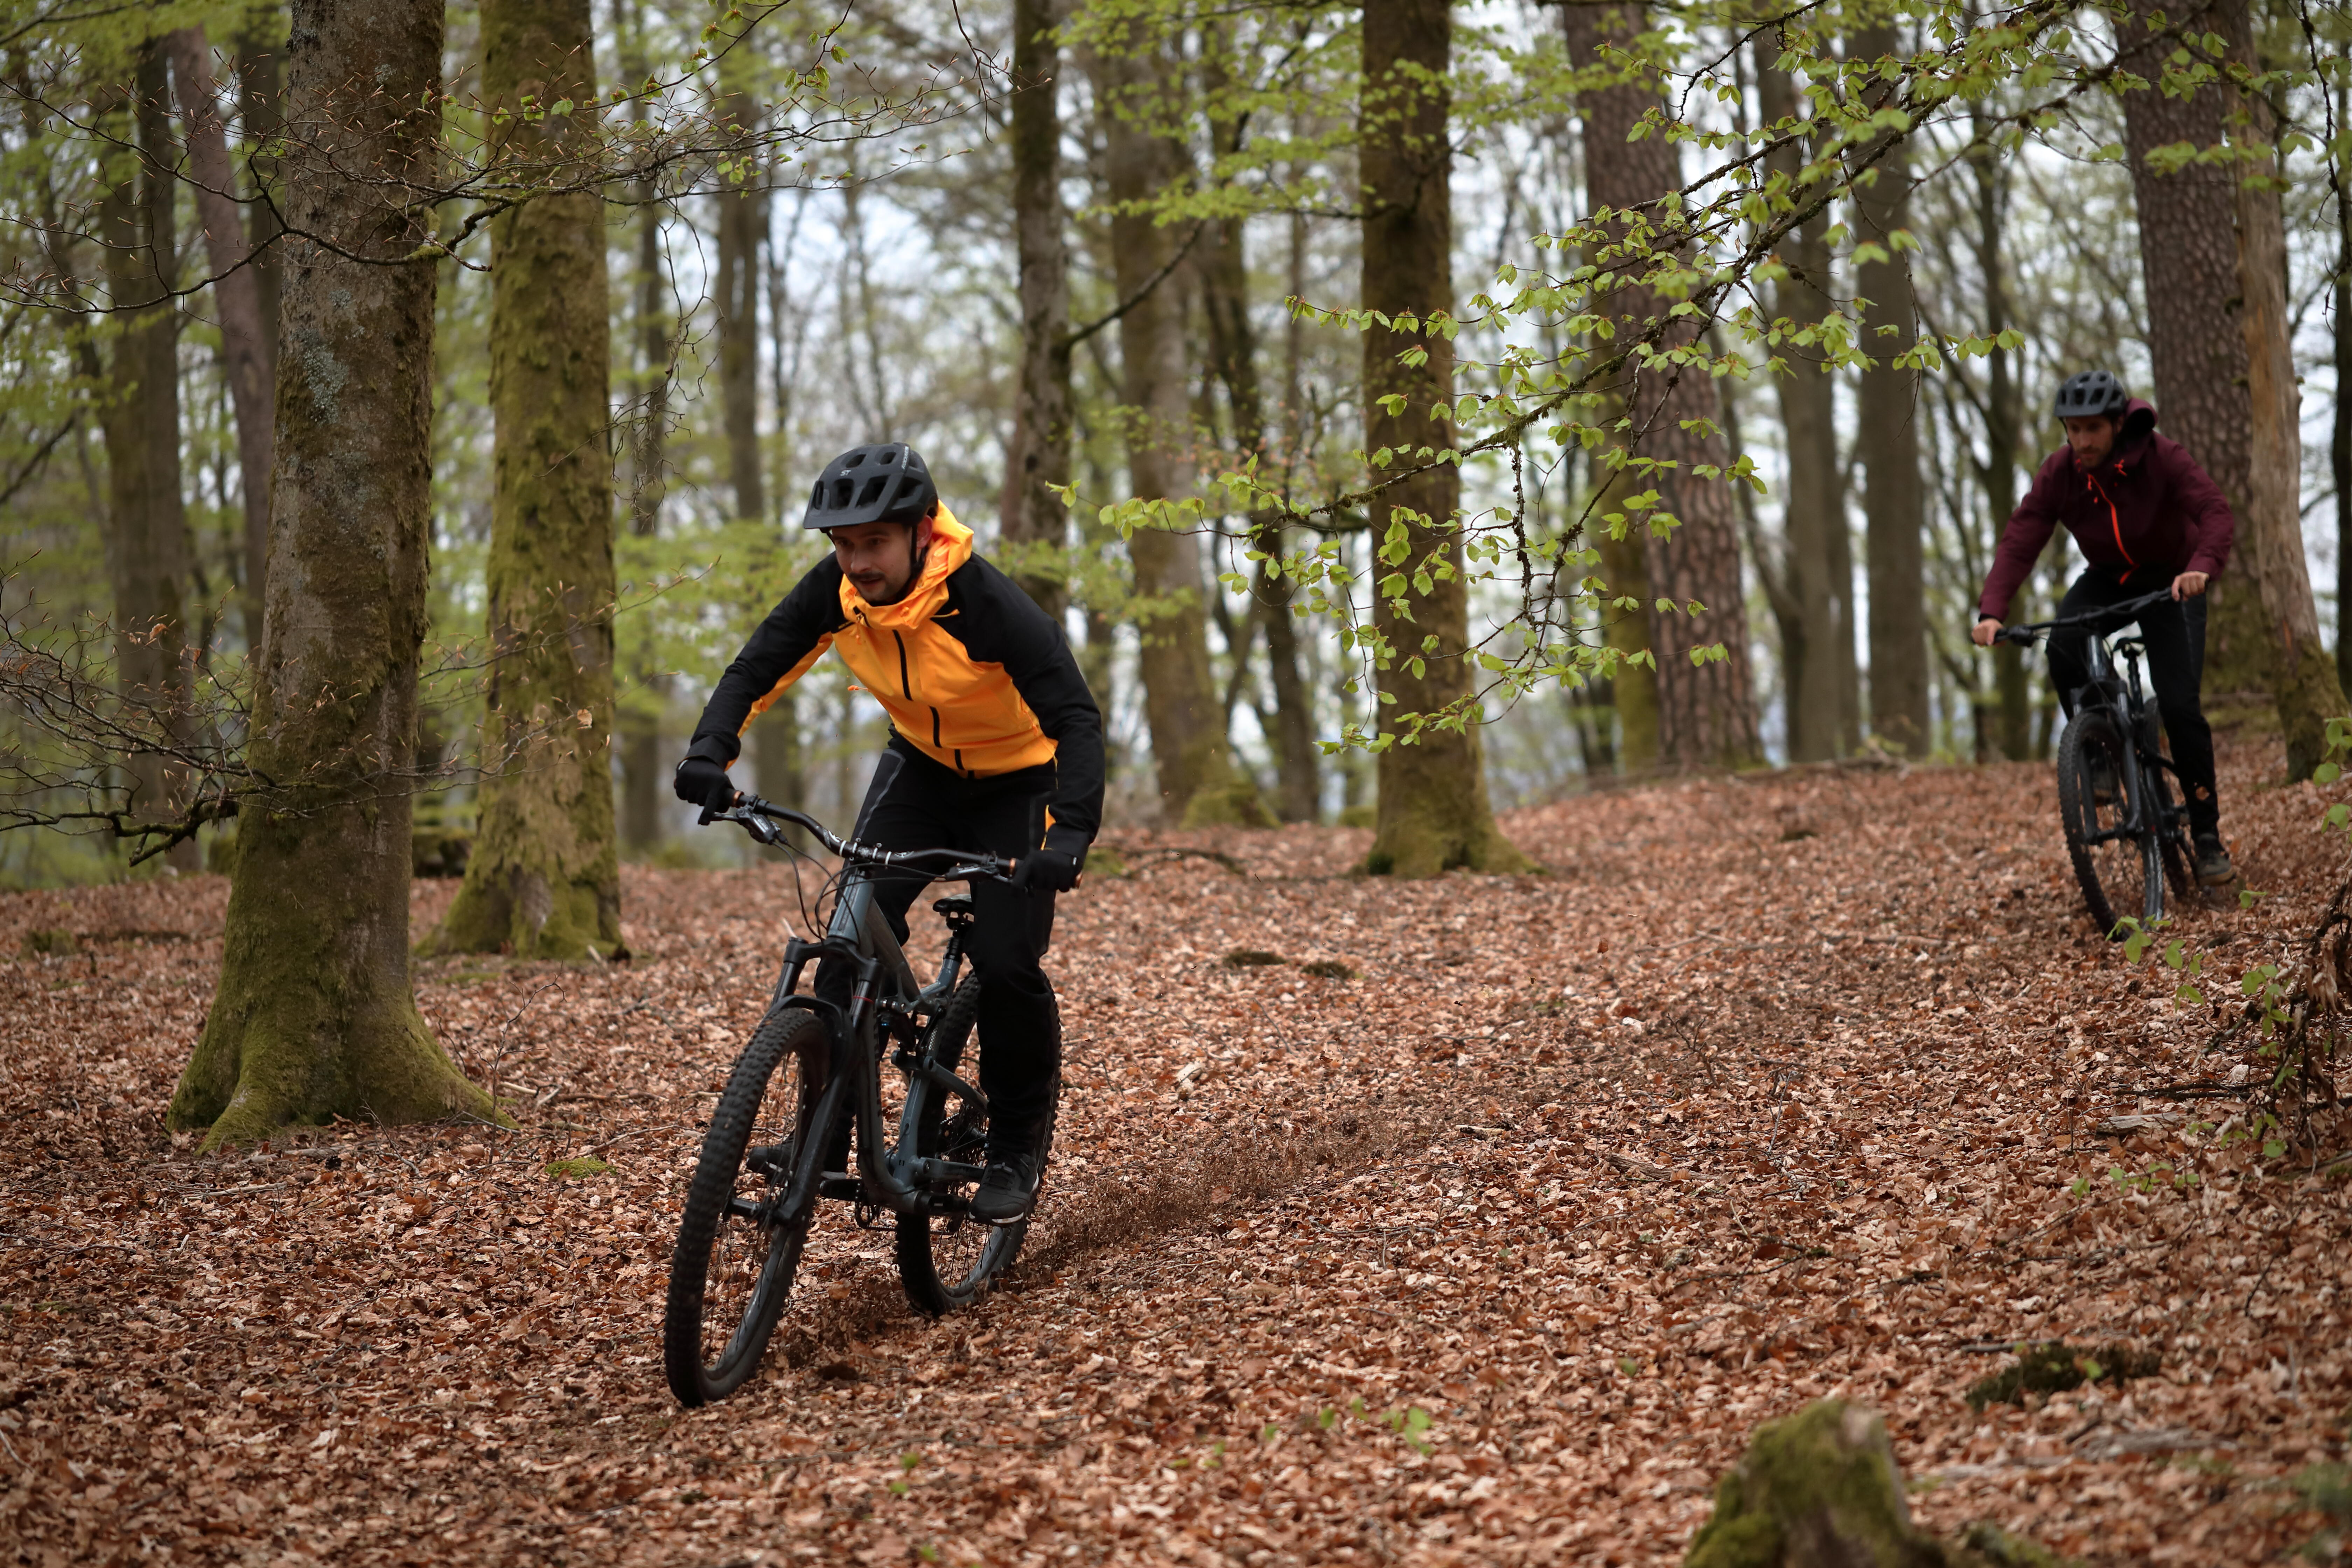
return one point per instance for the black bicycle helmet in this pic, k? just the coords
(886, 483)
(2090, 394)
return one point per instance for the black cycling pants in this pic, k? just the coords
(915, 802)
(2175, 634)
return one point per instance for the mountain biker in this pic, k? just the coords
(995, 745)
(2146, 516)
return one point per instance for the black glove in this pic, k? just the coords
(1054, 865)
(702, 781)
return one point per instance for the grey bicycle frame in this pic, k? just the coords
(889, 1176)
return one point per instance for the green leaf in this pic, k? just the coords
(2272, 1148)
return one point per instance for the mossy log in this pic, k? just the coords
(543, 878)
(314, 1016)
(1819, 1489)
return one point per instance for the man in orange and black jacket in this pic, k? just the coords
(996, 744)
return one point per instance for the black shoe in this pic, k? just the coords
(2213, 865)
(1009, 1190)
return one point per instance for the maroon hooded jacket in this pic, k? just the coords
(2148, 512)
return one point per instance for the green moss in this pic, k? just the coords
(2055, 1367)
(57, 942)
(1104, 861)
(1998, 1546)
(1251, 958)
(1232, 802)
(578, 1167)
(1359, 817)
(543, 878)
(1327, 969)
(1818, 1486)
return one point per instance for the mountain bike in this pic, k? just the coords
(2125, 833)
(810, 1083)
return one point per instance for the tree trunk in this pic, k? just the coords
(246, 335)
(1198, 782)
(1625, 628)
(313, 1017)
(2339, 449)
(2004, 435)
(2189, 260)
(1233, 354)
(1432, 813)
(260, 89)
(643, 773)
(544, 880)
(147, 543)
(2302, 681)
(1705, 714)
(742, 219)
(1036, 521)
(1824, 601)
(1894, 504)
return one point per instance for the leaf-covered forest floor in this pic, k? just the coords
(1775, 1088)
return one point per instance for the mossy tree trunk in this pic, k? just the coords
(2303, 676)
(1431, 813)
(1886, 435)
(248, 341)
(147, 533)
(1814, 513)
(2188, 265)
(742, 213)
(544, 880)
(1706, 712)
(314, 1017)
(1189, 749)
(1036, 521)
(643, 776)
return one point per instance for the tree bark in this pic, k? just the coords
(260, 92)
(1815, 515)
(2004, 435)
(1036, 521)
(2188, 261)
(742, 219)
(2302, 681)
(314, 1016)
(1432, 813)
(1191, 753)
(1894, 503)
(2339, 448)
(147, 537)
(643, 773)
(245, 334)
(1706, 713)
(1233, 354)
(544, 880)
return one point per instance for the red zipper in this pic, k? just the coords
(2115, 523)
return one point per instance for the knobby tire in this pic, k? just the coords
(947, 1261)
(2119, 877)
(720, 1252)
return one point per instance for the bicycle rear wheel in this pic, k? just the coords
(949, 1260)
(737, 1249)
(2172, 849)
(2120, 875)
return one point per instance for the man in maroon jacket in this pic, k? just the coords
(2146, 517)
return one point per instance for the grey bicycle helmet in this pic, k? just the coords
(2090, 394)
(886, 483)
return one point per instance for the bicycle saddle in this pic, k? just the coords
(955, 909)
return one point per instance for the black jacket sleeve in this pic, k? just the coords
(999, 624)
(795, 632)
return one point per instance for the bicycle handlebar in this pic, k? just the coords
(757, 817)
(2025, 634)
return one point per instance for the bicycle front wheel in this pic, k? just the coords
(738, 1249)
(948, 1260)
(2121, 872)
